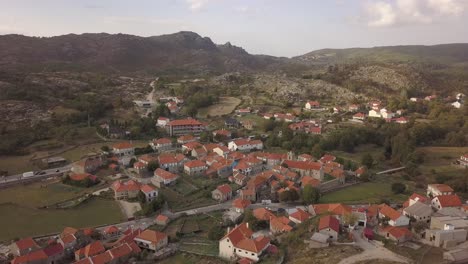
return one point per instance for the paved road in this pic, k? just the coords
(18, 178)
(372, 250)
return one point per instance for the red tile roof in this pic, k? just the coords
(239, 233)
(224, 189)
(32, 257)
(162, 218)
(254, 245)
(451, 200)
(335, 209)
(111, 230)
(151, 235)
(147, 188)
(130, 185)
(164, 174)
(26, 243)
(82, 177)
(185, 138)
(194, 164)
(300, 215)
(122, 145)
(308, 180)
(103, 258)
(241, 203)
(53, 250)
(185, 122)
(329, 222)
(303, 165)
(263, 214)
(280, 224)
(90, 250)
(163, 141)
(398, 232)
(389, 212)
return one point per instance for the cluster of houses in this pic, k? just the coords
(446, 217)
(89, 246)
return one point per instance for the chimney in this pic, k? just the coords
(229, 229)
(247, 224)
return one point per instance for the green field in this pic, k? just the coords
(226, 105)
(18, 221)
(440, 159)
(369, 192)
(40, 194)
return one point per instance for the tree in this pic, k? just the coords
(105, 148)
(152, 166)
(398, 188)
(132, 161)
(420, 226)
(350, 219)
(310, 195)
(367, 160)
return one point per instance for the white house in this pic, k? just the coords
(419, 211)
(395, 218)
(239, 243)
(124, 151)
(161, 144)
(329, 226)
(162, 177)
(152, 240)
(386, 114)
(245, 145)
(438, 189)
(374, 113)
(162, 121)
(150, 192)
(312, 105)
(445, 201)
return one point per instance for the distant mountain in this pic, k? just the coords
(445, 54)
(180, 52)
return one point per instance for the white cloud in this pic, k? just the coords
(197, 4)
(408, 12)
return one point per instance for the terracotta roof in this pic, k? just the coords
(121, 251)
(222, 132)
(238, 234)
(31, 257)
(26, 243)
(308, 180)
(280, 223)
(442, 187)
(111, 230)
(192, 145)
(84, 261)
(263, 214)
(314, 103)
(418, 197)
(130, 185)
(451, 200)
(164, 174)
(300, 215)
(335, 209)
(329, 222)
(69, 231)
(254, 245)
(68, 239)
(163, 141)
(243, 141)
(224, 189)
(147, 188)
(53, 250)
(389, 212)
(151, 235)
(92, 249)
(166, 159)
(102, 258)
(82, 176)
(241, 203)
(398, 232)
(185, 138)
(185, 122)
(245, 261)
(361, 115)
(122, 145)
(162, 218)
(303, 165)
(194, 164)
(327, 158)
(139, 164)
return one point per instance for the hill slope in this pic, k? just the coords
(445, 53)
(183, 51)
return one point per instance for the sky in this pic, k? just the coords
(274, 27)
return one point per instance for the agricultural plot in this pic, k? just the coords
(226, 105)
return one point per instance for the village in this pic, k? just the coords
(262, 197)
